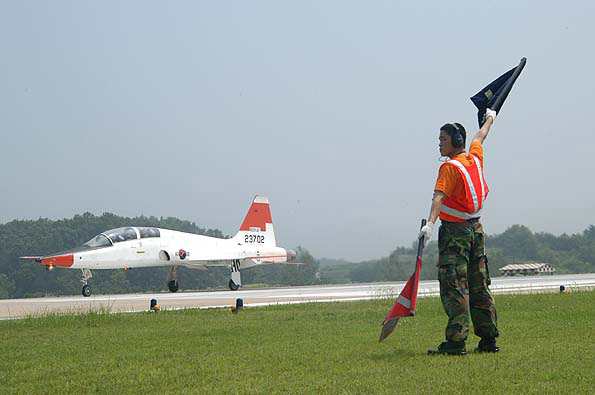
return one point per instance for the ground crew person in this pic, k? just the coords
(459, 195)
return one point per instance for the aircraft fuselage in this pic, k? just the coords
(170, 248)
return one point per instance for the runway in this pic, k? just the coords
(18, 308)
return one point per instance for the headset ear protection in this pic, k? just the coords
(457, 137)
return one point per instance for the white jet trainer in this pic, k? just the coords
(133, 247)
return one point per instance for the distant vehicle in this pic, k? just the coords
(132, 247)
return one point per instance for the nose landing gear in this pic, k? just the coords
(86, 276)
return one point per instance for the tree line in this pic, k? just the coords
(567, 253)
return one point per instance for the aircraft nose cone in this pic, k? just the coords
(58, 260)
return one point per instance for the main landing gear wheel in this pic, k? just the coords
(86, 291)
(233, 286)
(173, 286)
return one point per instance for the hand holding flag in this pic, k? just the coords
(490, 113)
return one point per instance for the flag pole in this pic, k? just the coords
(421, 244)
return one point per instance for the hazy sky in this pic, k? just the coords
(330, 108)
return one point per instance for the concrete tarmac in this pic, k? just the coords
(18, 308)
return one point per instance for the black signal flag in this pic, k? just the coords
(494, 95)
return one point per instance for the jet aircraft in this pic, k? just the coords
(133, 247)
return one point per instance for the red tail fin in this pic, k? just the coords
(258, 215)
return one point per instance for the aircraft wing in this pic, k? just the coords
(256, 260)
(228, 261)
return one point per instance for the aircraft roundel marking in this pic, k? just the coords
(182, 254)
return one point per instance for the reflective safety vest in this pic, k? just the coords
(476, 190)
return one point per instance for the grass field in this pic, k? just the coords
(547, 341)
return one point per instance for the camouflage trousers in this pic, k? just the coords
(464, 281)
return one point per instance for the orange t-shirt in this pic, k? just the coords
(450, 181)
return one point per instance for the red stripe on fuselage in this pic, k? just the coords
(258, 215)
(61, 260)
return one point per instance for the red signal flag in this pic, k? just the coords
(405, 304)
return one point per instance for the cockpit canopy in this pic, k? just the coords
(98, 241)
(121, 234)
(117, 235)
(148, 232)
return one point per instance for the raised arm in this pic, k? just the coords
(482, 134)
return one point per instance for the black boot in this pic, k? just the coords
(487, 345)
(450, 348)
